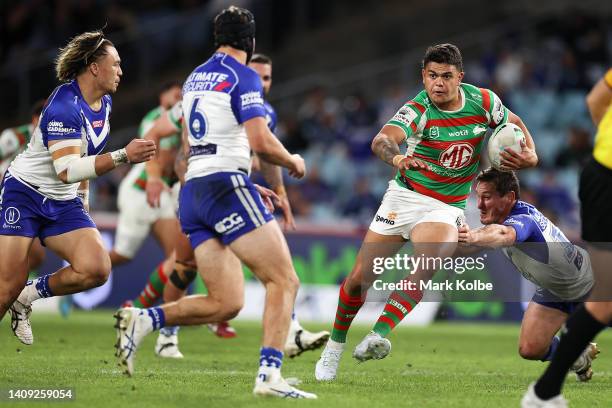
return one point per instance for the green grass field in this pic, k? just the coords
(444, 365)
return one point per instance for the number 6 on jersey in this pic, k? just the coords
(197, 121)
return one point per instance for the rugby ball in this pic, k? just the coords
(504, 136)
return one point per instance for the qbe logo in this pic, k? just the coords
(229, 223)
(457, 156)
(12, 215)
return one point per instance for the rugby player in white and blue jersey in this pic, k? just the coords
(543, 255)
(44, 192)
(221, 210)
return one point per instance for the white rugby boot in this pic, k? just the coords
(327, 366)
(582, 366)
(131, 328)
(373, 346)
(20, 321)
(531, 400)
(167, 344)
(300, 340)
(270, 383)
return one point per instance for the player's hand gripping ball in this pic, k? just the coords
(505, 136)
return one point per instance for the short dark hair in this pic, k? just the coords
(444, 54)
(166, 86)
(504, 181)
(38, 107)
(261, 59)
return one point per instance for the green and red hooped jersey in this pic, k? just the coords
(450, 142)
(175, 114)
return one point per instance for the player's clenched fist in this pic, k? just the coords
(298, 170)
(140, 150)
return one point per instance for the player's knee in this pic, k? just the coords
(530, 350)
(96, 269)
(231, 308)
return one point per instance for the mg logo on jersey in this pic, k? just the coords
(457, 156)
(233, 221)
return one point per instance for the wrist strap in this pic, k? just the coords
(119, 156)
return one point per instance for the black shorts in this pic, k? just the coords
(595, 194)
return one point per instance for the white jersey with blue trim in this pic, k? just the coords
(545, 256)
(218, 97)
(65, 116)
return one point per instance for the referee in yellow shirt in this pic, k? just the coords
(596, 213)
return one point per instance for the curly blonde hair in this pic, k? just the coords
(81, 51)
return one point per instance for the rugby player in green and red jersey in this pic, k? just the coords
(12, 142)
(443, 128)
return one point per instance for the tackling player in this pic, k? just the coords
(221, 210)
(443, 128)
(595, 195)
(44, 192)
(561, 270)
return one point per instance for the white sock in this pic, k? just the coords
(29, 293)
(268, 374)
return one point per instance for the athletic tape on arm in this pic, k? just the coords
(77, 168)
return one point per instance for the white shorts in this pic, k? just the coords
(136, 217)
(401, 209)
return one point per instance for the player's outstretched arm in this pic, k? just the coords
(162, 128)
(270, 149)
(489, 236)
(600, 97)
(386, 146)
(72, 168)
(274, 177)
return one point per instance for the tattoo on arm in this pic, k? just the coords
(271, 173)
(385, 148)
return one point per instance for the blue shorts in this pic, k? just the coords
(222, 205)
(545, 298)
(27, 213)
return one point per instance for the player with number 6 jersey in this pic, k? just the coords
(222, 211)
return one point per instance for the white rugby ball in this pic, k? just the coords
(506, 135)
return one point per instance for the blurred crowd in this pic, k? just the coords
(31, 26)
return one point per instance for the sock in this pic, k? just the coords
(581, 328)
(399, 304)
(295, 325)
(154, 288)
(169, 330)
(348, 306)
(35, 289)
(270, 361)
(552, 349)
(155, 316)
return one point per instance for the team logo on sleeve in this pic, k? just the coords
(405, 116)
(58, 127)
(457, 156)
(250, 99)
(498, 110)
